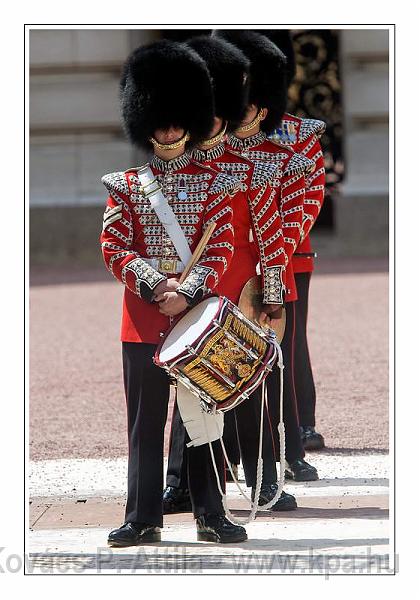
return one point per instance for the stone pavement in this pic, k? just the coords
(341, 524)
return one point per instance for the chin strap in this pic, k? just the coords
(216, 139)
(252, 124)
(253, 504)
(173, 146)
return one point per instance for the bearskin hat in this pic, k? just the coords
(268, 78)
(283, 40)
(165, 84)
(229, 71)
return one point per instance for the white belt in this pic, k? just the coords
(166, 265)
(164, 212)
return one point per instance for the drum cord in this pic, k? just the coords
(254, 505)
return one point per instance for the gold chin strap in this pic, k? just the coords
(253, 123)
(216, 139)
(172, 146)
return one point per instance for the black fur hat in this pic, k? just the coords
(162, 84)
(268, 76)
(229, 71)
(283, 40)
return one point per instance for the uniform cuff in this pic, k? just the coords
(146, 278)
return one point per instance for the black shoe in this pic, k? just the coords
(300, 470)
(268, 491)
(216, 528)
(228, 473)
(176, 500)
(133, 534)
(311, 439)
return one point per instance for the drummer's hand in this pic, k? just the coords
(169, 285)
(172, 304)
(267, 317)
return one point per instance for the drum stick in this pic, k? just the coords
(198, 251)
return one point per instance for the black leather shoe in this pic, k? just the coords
(216, 528)
(268, 491)
(176, 500)
(300, 470)
(133, 534)
(311, 439)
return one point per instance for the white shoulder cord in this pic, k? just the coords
(280, 483)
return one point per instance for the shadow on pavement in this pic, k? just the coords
(342, 482)
(365, 512)
(158, 559)
(347, 451)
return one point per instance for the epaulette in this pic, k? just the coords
(299, 165)
(310, 127)
(221, 182)
(116, 182)
(263, 172)
(296, 130)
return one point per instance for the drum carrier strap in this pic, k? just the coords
(153, 191)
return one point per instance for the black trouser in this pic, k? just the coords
(147, 397)
(230, 438)
(247, 418)
(294, 447)
(304, 381)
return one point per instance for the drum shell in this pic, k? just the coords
(219, 355)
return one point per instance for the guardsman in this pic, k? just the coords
(255, 215)
(267, 104)
(303, 136)
(143, 254)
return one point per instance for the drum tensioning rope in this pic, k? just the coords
(254, 505)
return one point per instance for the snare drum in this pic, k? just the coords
(217, 353)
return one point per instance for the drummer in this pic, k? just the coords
(144, 256)
(255, 216)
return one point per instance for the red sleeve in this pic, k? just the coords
(315, 183)
(291, 209)
(117, 239)
(268, 233)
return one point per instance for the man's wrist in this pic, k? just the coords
(188, 299)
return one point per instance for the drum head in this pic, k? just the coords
(189, 328)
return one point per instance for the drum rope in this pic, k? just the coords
(254, 505)
(282, 436)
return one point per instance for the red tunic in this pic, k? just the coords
(256, 217)
(132, 235)
(288, 187)
(302, 136)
